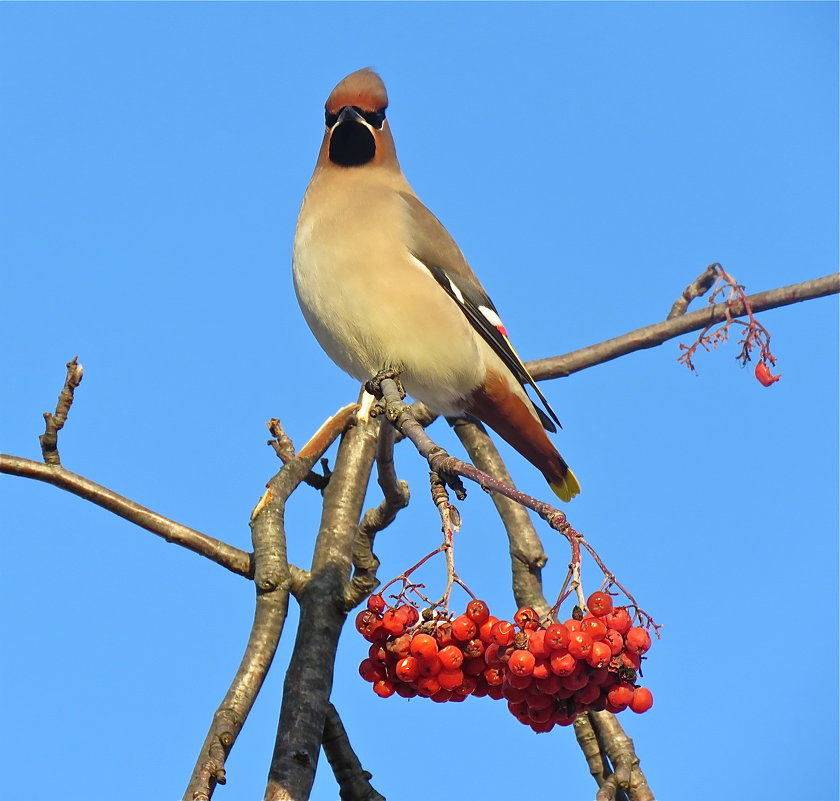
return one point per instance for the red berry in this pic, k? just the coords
(429, 667)
(536, 643)
(408, 615)
(600, 655)
(376, 603)
(615, 641)
(578, 679)
(548, 686)
(763, 374)
(378, 652)
(556, 637)
(450, 679)
(580, 644)
(384, 688)
(542, 669)
(618, 619)
(443, 633)
(502, 632)
(562, 663)
(474, 648)
(406, 690)
(572, 625)
(541, 715)
(399, 646)
(594, 627)
(424, 647)
(599, 603)
(637, 640)
(526, 618)
(521, 663)
(408, 668)
(371, 671)
(588, 694)
(494, 676)
(463, 628)
(477, 611)
(473, 665)
(369, 625)
(450, 657)
(520, 682)
(427, 686)
(642, 700)
(391, 622)
(630, 659)
(620, 695)
(441, 696)
(486, 627)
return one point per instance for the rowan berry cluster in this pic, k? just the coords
(548, 674)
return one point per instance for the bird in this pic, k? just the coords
(383, 286)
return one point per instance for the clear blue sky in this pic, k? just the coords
(591, 160)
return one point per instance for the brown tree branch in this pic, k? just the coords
(621, 753)
(697, 288)
(588, 742)
(652, 335)
(55, 422)
(272, 582)
(395, 497)
(353, 781)
(323, 610)
(234, 559)
(527, 556)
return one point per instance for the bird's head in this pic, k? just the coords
(357, 133)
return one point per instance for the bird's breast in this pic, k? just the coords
(372, 305)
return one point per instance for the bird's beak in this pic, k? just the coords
(349, 114)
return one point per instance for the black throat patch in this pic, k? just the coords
(351, 145)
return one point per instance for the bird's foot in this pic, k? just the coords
(374, 386)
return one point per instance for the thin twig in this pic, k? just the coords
(53, 423)
(234, 559)
(698, 287)
(652, 335)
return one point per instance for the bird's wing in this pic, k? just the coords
(432, 245)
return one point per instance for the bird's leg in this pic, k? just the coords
(374, 385)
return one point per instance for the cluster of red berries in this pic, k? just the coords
(547, 674)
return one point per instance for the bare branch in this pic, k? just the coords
(526, 551)
(55, 422)
(652, 335)
(272, 580)
(698, 287)
(588, 742)
(619, 749)
(395, 497)
(353, 781)
(234, 559)
(322, 613)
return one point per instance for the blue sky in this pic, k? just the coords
(590, 159)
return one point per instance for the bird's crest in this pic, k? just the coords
(363, 88)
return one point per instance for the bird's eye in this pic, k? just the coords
(374, 118)
(330, 118)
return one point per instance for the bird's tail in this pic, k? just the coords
(510, 414)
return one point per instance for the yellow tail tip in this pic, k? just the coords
(567, 488)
